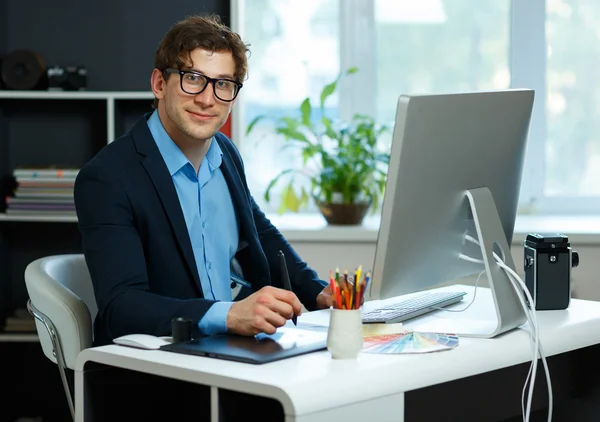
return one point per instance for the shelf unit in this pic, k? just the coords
(118, 107)
(19, 337)
(39, 128)
(111, 98)
(39, 218)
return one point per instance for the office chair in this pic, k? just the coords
(61, 298)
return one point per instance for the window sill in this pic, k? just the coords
(313, 228)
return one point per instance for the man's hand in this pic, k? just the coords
(263, 311)
(325, 298)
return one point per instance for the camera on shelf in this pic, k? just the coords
(67, 78)
(548, 259)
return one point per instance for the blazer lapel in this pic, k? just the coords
(238, 195)
(243, 210)
(159, 174)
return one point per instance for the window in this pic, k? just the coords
(294, 52)
(572, 149)
(552, 46)
(430, 46)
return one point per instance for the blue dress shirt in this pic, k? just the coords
(210, 218)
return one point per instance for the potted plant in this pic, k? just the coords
(343, 161)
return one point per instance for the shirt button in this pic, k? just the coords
(209, 265)
(203, 224)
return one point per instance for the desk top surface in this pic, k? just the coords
(313, 382)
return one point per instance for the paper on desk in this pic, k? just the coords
(381, 329)
(368, 329)
(314, 321)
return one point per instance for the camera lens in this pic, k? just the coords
(574, 258)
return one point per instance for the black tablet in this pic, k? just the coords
(287, 342)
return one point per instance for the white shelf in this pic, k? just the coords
(76, 95)
(131, 95)
(19, 338)
(111, 98)
(39, 218)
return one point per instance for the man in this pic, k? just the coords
(165, 209)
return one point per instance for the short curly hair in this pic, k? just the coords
(200, 31)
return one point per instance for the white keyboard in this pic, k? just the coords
(411, 308)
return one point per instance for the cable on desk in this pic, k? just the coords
(522, 291)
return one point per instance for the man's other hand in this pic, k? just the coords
(325, 298)
(263, 311)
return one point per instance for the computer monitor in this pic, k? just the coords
(455, 169)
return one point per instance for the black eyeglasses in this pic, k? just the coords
(194, 83)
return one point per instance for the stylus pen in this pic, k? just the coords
(285, 279)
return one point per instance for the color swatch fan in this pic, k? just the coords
(409, 342)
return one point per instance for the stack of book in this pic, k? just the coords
(46, 191)
(21, 321)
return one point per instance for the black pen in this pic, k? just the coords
(285, 279)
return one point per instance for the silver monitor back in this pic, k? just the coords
(455, 168)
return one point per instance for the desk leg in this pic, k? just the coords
(79, 399)
(214, 404)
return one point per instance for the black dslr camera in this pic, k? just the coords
(548, 263)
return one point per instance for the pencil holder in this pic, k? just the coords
(344, 336)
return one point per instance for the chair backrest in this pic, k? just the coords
(60, 287)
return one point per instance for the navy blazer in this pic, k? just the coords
(138, 249)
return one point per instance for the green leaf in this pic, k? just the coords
(282, 207)
(375, 202)
(306, 110)
(254, 122)
(310, 151)
(327, 91)
(292, 133)
(331, 87)
(304, 197)
(290, 122)
(274, 181)
(332, 134)
(290, 199)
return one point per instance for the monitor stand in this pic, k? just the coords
(508, 308)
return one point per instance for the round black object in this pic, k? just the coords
(24, 70)
(181, 329)
(574, 259)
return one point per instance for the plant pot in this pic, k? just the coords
(344, 214)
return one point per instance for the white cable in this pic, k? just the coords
(521, 288)
(530, 313)
(532, 317)
(535, 338)
(470, 259)
(470, 303)
(443, 308)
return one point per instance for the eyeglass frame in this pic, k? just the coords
(209, 81)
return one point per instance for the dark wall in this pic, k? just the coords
(114, 39)
(3, 28)
(3, 121)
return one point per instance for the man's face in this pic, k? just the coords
(194, 117)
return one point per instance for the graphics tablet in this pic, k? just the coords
(263, 348)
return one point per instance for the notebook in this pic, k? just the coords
(287, 342)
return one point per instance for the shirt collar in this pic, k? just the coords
(174, 158)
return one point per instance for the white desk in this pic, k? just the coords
(315, 388)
